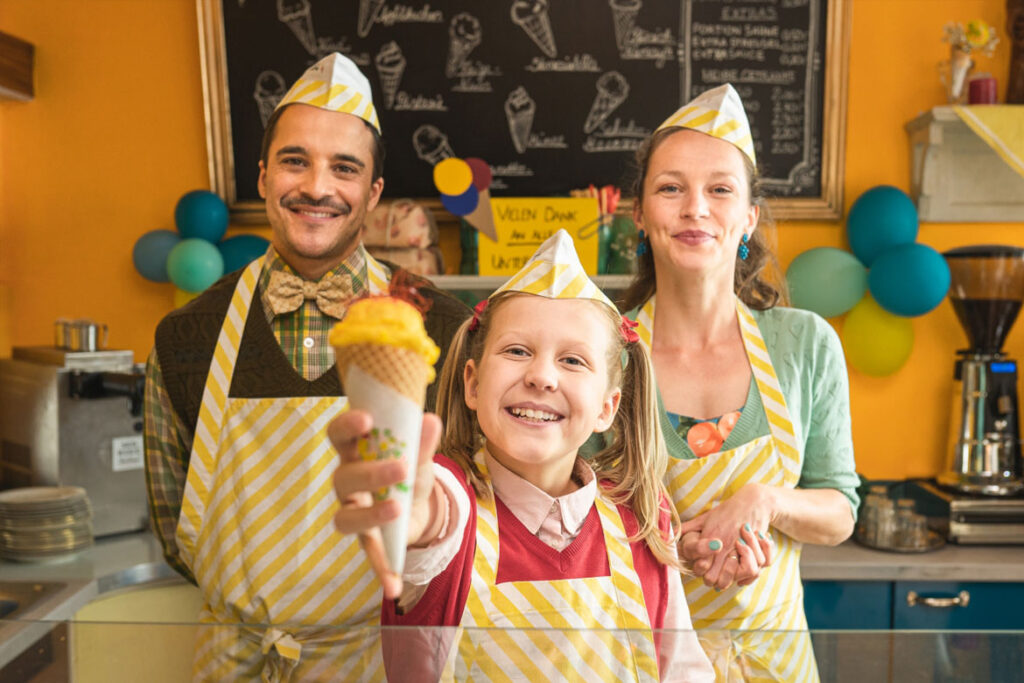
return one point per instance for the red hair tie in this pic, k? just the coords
(478, 311)
(627, 330)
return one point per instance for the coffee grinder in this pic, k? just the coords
(987, 289)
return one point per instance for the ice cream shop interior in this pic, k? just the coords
(827, 197)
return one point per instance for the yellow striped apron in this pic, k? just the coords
(769, 639)
(593, 629)
(256, 528)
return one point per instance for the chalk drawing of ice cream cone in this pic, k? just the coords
(369, 10)
(532, 17)
(624, 15)
(431, 144)
(612, 90)
(270, 88)
(519, 110)
(464, 35)
(299, 18)
(390, 66)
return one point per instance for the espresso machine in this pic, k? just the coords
(73, 417)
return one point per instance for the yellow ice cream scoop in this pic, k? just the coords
(386, 321)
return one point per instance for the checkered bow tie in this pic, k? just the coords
(286, 292)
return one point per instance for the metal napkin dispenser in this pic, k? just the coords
(74, 418)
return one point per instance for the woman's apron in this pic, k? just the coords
(769, 639)
(286, 596)
(592, 629)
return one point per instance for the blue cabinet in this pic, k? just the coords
(840, 605)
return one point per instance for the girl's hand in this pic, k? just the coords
(355, 479)
(740, 524)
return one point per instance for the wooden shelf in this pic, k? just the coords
(16, 57)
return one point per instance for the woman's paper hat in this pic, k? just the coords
(335, 83)
(554, 271)
(719, 113)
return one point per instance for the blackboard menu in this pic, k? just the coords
(552, 94)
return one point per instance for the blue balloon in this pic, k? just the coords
(827, 281)
(461, 204)
(194, 264)
(201, 214)
(150, 254)
(909, 280)
(240, 250)
(881, 218)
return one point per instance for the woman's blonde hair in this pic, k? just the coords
(631, 465)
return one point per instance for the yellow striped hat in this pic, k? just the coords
(335, 83)
(555, 271)
(719, 113)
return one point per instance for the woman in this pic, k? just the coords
(755, 396)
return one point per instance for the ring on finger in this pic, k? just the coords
(734, 556)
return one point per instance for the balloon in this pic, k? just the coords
(452, 176)
(201, 214)
(150, 254)
(181, 297)
(827, 281)
(461, 204)
(881, 218)
(909, 280)
(240, 250)
(876, 342)
(194, 265)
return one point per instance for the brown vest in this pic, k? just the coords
(186, 338)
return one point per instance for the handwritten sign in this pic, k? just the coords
(523, 223)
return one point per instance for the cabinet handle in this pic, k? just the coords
(962, 599)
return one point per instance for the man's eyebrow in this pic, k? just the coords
(293, 149)
(350, 159)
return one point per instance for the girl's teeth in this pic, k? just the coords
(533, 414)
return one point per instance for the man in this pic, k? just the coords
(240, 387)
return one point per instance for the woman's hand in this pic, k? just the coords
(356, 479)
(730, 543)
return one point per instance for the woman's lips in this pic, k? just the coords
(692, 237)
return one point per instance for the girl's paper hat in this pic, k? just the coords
(719, 113)
(335, 83)
(554, 271)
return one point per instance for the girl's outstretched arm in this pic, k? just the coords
(355, 479)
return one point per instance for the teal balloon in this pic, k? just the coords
(880, 219)
(194, 264)
(150, 254)
(240, 250)
(909, 280)
(827, 281)
(201, 214)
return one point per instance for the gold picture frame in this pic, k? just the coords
(220, 142)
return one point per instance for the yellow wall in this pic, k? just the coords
(115, 136)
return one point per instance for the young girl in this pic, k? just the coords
(556, 568)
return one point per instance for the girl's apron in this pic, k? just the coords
(757, 632)
(592, 629)
(286, 596)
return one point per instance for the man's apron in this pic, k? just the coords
(592, 629)
(769, 639)
(286, 596)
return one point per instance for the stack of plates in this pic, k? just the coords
(39, 523)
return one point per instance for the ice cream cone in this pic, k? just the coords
(519, 111)
(464, 34)
(270, 88)
(624, 15)
(482, 217)
(390, 66)
(532, 17)
(368, 12)
(297, 15)
(386, 360)
(612, 90)
(431, 144)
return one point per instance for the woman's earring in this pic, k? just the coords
(641, 244)
(744, 250)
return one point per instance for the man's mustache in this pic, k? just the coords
(323, 203)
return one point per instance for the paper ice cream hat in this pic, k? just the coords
(554, 271)
(719, 113)
(335, 83)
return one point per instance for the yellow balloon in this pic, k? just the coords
(876, 342)
(181, 297)
(452, 176)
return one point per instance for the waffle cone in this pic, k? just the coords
(403, 370)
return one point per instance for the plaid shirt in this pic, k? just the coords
(302, 335)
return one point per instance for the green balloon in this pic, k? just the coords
(194, 264)
(827, 281)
